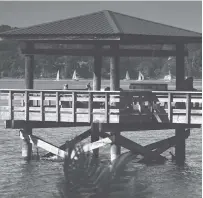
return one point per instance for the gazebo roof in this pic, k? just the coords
(102, 23)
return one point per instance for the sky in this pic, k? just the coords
(183, 14)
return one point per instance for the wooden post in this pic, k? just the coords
(96, 87)
(115, 150)
(180, 67)
(74, 100)
(188, 108)
(170, 109)
(114, 70)
(57, 107)
(95, 137)
(180, 146)
(11, 114)
(97, 68)
(29, 77)
(90, 107)
(180, 77)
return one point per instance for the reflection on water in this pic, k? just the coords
(40, 178)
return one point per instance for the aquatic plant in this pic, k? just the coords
(86, 176)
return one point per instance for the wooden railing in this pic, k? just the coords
(102, 106)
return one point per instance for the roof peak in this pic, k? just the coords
(102, 22)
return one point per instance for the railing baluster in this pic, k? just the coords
(74, 99)
(42, 105)
(90, 107)
(10, 105)
(170, 109)
(57, 107)
(188, 108)
(26, 105)
(107, 107)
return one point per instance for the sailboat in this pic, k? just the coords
(57, 76)
(140, 76)
(75, 76)
(127, 77)
(168, 77)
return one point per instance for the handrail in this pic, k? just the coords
(141, 100)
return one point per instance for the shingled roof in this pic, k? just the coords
(101, 23)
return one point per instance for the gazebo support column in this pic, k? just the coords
(96, 87)
(114, 86)
(180, 77)
(29, 76)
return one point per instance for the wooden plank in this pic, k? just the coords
(74, 141)
(42, 113)
(170, 110)
(57, 107)
(10, 105)
(97, 144)
(169, 141)
(107, 107)
(188, 108)
(74, 99)
(46, 145)
(90, 107)
(26, 105)
(105, 52)
(134, 147)
(18, 124)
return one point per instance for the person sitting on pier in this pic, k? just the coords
(65, 104)
(65, 87)
(88, 86)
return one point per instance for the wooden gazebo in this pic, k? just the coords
(100, 34)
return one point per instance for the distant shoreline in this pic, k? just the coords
(85, 79)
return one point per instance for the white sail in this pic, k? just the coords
(127, 76)
(141, 76)
(57, 76)
(75, 76)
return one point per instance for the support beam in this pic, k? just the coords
(115, 150)
(180, 146)
(29, 77)
(95, 137)
(18, 124)
(180, 65)
(104, 52)
(97, 68)
(74, 141)
(180, 77)
(114, 70)
(96, 87)
(43, 144)
(29, 71)
(136, 148)
(26, 144)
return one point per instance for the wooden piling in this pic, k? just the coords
(26, 145)
(180, 146)
(96, 87)
(95, 137)
(29, 82)
(115, 150)
(97, 68)
(180, 77)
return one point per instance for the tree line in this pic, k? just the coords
(12, 63)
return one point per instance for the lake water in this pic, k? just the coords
(39, 179)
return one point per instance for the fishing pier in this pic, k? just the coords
(107, 113)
